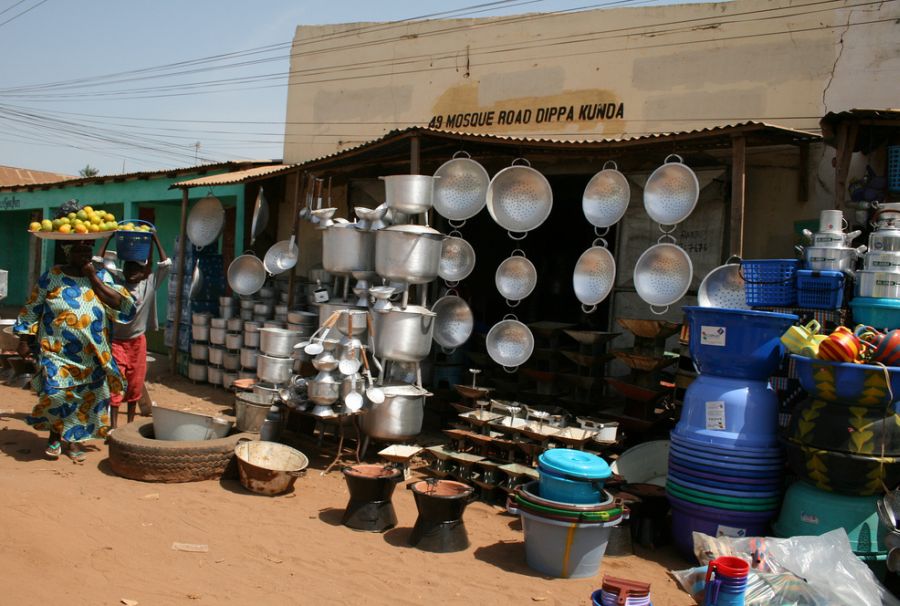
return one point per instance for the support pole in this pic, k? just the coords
(179, 296)
(300, 177)
(738, 193)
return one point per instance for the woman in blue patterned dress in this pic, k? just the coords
(65, 324)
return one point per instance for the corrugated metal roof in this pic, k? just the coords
(11, 175)
(171, 172)
(772, 133)
(239, 176)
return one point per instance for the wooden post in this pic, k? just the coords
(414, 155)
(179, 296)
(738, 193)
(294, 231)
(845, 141)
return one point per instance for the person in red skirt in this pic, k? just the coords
(129, 342)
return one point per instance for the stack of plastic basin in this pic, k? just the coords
(809, 511)
(725, 464)
(567, 515)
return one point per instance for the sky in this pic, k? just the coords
(57, 115)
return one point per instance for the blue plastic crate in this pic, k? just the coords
(820, 289)
(770, 282)
(893, 171)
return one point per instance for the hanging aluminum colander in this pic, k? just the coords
(509, 343)
(595, 274)
(662, 275)
(453, 322)
(515, 277)
(519, 198)
(724, 287)
(260, 216)
(606, 197)
(205, 221)
(246, 274)
(457, 259)
(281, 257)
(461, 191)
(671, 192)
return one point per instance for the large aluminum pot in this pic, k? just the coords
(885, 240)
(231, 360)
(199, 333)
(403, 335)
(346, 248)
(327, 309)
(199, 352)
(831, 258)
(249, 357)
(408, 253)
(399, 417)
(274, 370)
(882, 261)
(216, 355)
(880, 284)
(234, 341)
(409, 194)
(197, 371)
(278, 342)
(214, 375)
(217, 336)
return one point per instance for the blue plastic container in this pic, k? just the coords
(134, 245)
(770, 282)
(725, 477)
(572, 476)
(756, 492)
(725, 459)
(877, 312)
(725, 483)
(728, 412)
(773, 452)
(688, 517)
(820, 289)
(846, 381)
(721, 467)
(737, 343)
(893, 169)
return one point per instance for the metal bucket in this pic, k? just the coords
(268, 467)
(250, 409)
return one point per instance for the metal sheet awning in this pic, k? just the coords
(236, 177)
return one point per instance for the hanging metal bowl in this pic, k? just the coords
(671, 192)
(461, 190)
(519, 198)
(606, 197)
(724, 287)
(281, 257)
(662, 275)
(246, 274)
(594, 277)
(205, 221)
(509, 343)
(457, 258)
(260, 216)
(515, 278)
(453, 322)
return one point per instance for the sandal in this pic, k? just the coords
(76, 454)
(54, 449)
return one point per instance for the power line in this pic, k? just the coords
(27, 10)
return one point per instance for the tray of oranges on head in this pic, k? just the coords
(84, 224)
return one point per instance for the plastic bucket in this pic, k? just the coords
(689, 517)
(564, 490)
(730, 412)
(736, 343)
(134, 245)
(603, 598)
(562, 549)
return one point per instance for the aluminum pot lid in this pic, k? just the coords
(671, 192)
(574, 463)
(419, 230)
(461, 190)
(663, 274)
(606, 197)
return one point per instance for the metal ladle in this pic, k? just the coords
(374, 394)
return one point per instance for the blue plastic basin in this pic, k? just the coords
(741, 471)
(772, 452)
(846, 381)
(876, 312)
(736, 343)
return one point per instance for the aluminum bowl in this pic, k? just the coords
(205, 221)
(457, 259)
(663, 274)
(510, 343)
(671, 192)
(519, 198)
(246, 274)
(724, 287)
(461, 190)
(453, 322)
(515, 278)
(594, 276)
(606, 197)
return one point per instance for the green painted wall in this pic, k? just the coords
(124, 199)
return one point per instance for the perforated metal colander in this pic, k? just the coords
(246, 274)
(594, 276)
(457, 259)
(515, 277)
(453, 322)
(724, 287)
(205, 221)
(606, 197)
(519, 198)
(509, 343)
(671, 192)
(663, 274)
(461, 191)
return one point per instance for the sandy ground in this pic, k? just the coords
(80, 534)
